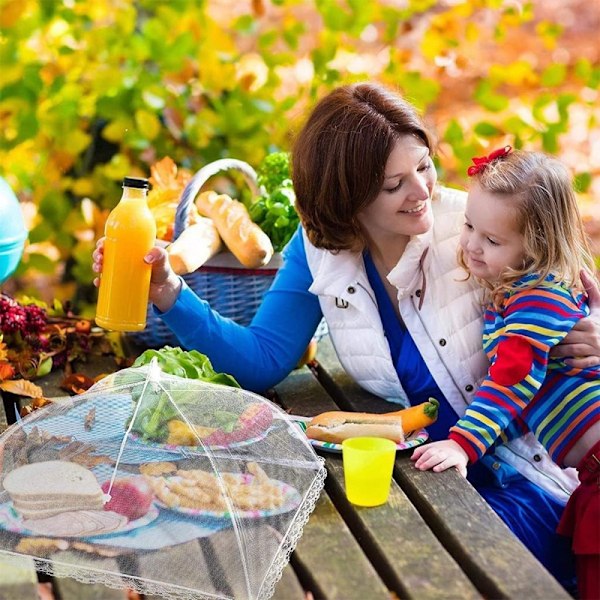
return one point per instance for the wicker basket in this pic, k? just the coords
(231, 289)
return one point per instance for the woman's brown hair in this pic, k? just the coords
(339, 159)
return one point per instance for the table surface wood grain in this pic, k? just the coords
(435, 538)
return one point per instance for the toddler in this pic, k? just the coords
(523, 241)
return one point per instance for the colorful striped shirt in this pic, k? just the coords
(524, 385)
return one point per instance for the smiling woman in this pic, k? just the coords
(376, 256)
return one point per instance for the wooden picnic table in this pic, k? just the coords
(435, 537)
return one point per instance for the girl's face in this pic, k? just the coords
(403, 206)
(491, 239)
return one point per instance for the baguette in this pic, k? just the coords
(246, 240)
(337, 426)
(194, 246)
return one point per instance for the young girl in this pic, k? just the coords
(524, 242)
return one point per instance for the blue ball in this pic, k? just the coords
(12, 231)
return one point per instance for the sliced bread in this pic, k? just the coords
(53, 478)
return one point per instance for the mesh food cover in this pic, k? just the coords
(165, 485)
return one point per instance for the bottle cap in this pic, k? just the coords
(136, 182)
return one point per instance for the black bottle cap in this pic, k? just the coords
(136, 182)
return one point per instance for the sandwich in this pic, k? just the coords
(43, 489)
(337, 426)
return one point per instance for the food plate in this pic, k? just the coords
(414, 439)
(12, 521)
(110, 409)
(138, 443)
(291, 501)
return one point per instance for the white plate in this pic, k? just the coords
(12, 521)
(291, 501)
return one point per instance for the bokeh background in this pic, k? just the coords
(91, 91)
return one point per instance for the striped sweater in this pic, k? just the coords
(524, 386)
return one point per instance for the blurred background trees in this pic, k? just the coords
(93, 91)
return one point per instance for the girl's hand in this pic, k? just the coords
(583, 341)
(440, 456)
(165, 285)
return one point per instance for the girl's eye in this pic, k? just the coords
(492, 242)
(469, 226)
(426, 166)
(395, 188)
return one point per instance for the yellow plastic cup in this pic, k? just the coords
(368, 467)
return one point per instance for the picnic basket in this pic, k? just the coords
(231, 289)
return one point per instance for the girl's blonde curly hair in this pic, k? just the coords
(540, 189)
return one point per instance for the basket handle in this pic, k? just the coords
(200, 178)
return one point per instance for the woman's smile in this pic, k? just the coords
(417, 211)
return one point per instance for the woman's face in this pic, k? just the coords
(403, 206)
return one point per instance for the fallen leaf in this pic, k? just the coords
(22, 387)
(77, 383)
(7, 371)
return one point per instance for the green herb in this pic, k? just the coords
(275, 209)
(158, 408)
(189, 364)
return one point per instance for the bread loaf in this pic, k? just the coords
(246, 240)
(194, 246)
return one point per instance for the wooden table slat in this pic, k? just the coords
(18, 578)
(495, 560)
(409, 574)
(419, 566)
(329, 560)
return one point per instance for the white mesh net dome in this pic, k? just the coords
(144, 462)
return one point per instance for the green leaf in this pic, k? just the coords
(40, 262)
(488, 98)
(44, 367)
(554, 75)
(454, 133)
(486, 129)
(582, 182)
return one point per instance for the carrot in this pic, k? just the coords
(419, 416)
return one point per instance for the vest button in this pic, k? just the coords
(351, 289)
(418, 293)
(442, 342)
(537, 457)
(468, 388)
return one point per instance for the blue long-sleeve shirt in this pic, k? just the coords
(275, 339)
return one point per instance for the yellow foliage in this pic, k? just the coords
(115, 131)
(147, 123)
(251, 72)
(11, 12)
(519, 73)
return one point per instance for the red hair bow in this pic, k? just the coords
(482, 162)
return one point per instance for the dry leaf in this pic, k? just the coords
(22, 387)
(77, 383)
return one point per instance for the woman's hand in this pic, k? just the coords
(440, 456)
(165, 285)
(583, 341)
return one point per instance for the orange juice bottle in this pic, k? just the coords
(125, 282)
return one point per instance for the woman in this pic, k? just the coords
(372, 260)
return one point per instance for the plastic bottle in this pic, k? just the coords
(125, 282)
